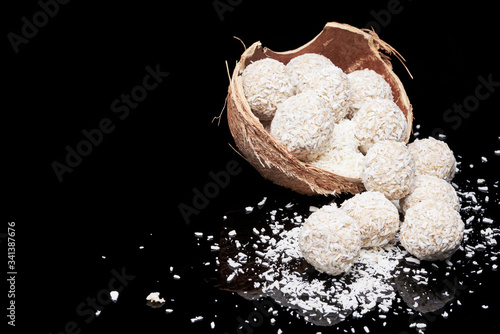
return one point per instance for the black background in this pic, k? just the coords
(126, 193)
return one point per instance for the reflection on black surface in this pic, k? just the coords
(426, 287)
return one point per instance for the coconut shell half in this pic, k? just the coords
(347, 47)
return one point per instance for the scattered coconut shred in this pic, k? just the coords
(321, 264)
(264, 253)
(320, 298)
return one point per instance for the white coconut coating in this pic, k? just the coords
(365, 85)
(331, 83)
(429, 187)
(378, 218)
(344, 161)
(379, 119)
(433, 157)
(432, 230)
(343, 136)
(304, 125)
(304, 63)
(330, 240)
(343, 157)
(389, 168)
(266, 83)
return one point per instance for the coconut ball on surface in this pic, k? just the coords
(266, 83)
(389, 168)
(330, 240)
(431, 188)
(432, 230)
(379, 119)
(433, 157)
(378, 218)
(365, 85)
(344, 161)
(331, 83)
(304, 63)
(304, 125)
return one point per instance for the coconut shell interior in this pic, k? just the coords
(347, 47)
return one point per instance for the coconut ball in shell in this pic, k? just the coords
(304, 125)
(432, 230)
(433, 157)
(331, 83)
(302, 64)
(266, 84)
(379, 119)
(389, 168)
(343, 136)
(429, 187)
(330, 240)
(343, 161)
(365, 85)
(378, 218)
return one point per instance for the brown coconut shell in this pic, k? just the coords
(347, 47)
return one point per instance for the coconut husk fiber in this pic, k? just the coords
(350, 49)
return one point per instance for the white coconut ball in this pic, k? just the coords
(266, 83)
(304, 63)
(379, 119)
(343, 136)
(304, 125)
(330, 240)
(429, 187)
(432, 230)
(331, 83)
(365, 85)
(344, 161)
(378, 218)
(433, 157)
(389, 168)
